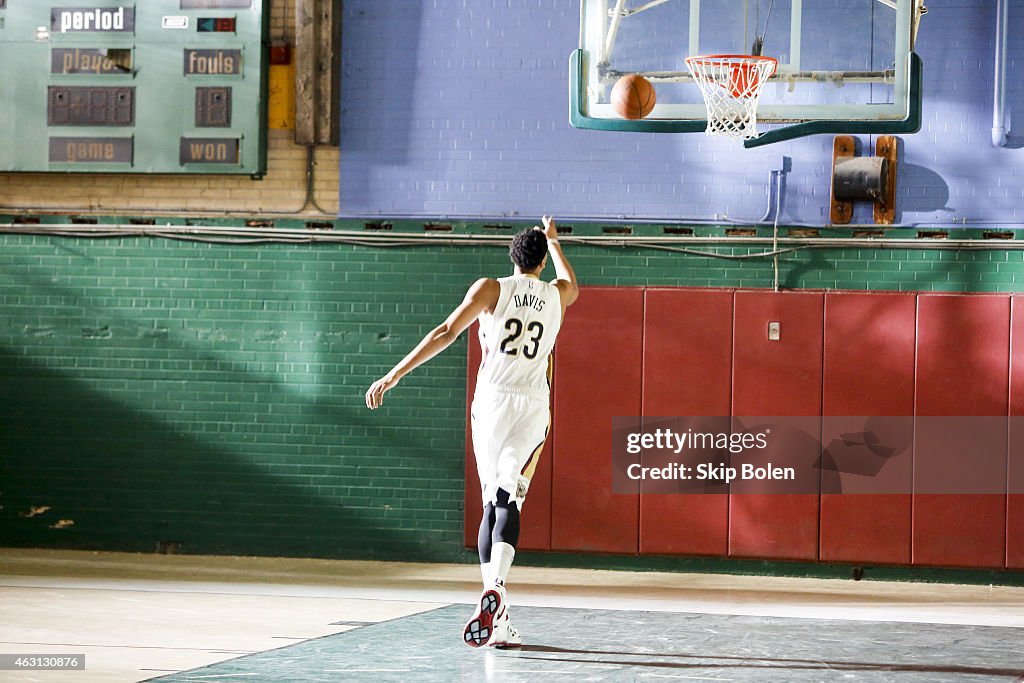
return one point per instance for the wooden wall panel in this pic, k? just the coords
(687, 370)
(962, 371)
(868, 427)
(1015, 469)
(597, 377)
(472, 509)
(778, 378)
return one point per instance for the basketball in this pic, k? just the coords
(633, 97)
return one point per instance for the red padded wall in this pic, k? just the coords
(868, 372)
(962, 370)
(597, 377)
(677, 352)
(778, 378)
(1015, 471)
(687, 365)
(535, 531)
(471, 509)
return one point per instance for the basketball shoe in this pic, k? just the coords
(490, 609)
(505, 635)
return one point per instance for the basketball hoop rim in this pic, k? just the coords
(713, 59)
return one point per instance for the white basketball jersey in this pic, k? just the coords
(517, 338)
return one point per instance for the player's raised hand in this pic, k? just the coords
(549, 229)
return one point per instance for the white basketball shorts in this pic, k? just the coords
(509, 429)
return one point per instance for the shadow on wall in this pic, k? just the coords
(817, 263)
(80, 470)
(223, 411)
(923, 190)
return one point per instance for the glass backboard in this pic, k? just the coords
(843, 66)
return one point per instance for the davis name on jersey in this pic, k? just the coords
(518, 336)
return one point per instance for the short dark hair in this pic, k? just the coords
(528, 249)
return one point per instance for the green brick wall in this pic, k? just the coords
(211, 395)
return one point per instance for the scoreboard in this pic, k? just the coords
(148, 86)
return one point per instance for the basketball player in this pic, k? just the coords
(520, 317)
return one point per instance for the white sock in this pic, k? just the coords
(501, 561)
(485, 574)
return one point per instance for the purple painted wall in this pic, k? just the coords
(459, 108)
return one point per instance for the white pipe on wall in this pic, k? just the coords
(999, 87)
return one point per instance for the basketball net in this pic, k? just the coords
(731, 85)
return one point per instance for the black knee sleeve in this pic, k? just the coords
(483, 539)
(506, 520)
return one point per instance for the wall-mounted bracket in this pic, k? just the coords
(868, 179)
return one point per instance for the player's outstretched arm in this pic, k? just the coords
(482, 296)
(565, 276)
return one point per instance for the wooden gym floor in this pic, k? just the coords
(191, 618)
